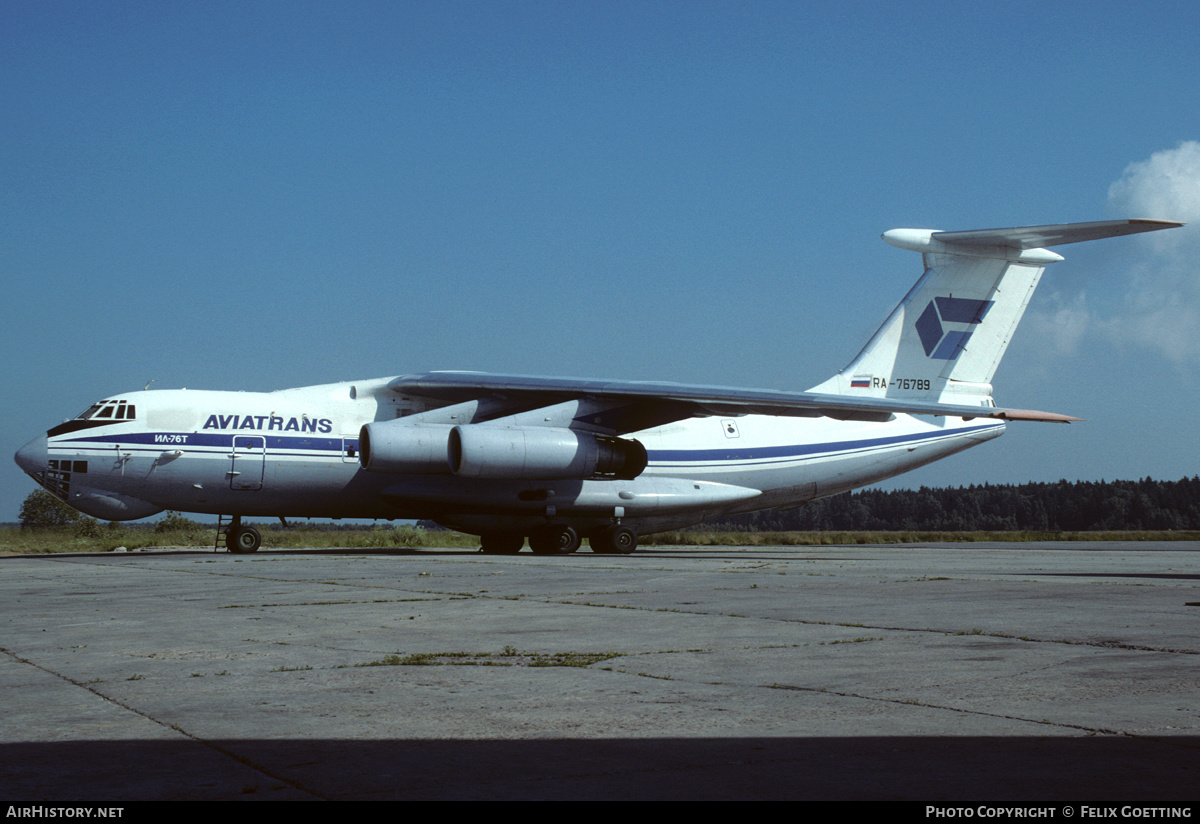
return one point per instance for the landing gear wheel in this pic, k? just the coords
(615, 540)
(555, 540)
(501, 543)
(243, 540)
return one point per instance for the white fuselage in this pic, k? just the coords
(294, 453)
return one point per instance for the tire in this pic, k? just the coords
(243, 541)
(501, 543)
(555, 540)
(615, 540)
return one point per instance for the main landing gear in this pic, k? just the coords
(502, 543)
(559, 539)
(614, 540)
(241, 540)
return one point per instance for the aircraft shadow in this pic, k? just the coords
(925, 769)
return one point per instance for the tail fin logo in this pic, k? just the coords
(944, 344)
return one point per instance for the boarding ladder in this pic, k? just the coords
(221, 542)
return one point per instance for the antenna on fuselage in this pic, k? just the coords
(152, 380)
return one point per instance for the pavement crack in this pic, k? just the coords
(176, 728)
(909, 702)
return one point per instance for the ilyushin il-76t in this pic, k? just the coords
(556, 460)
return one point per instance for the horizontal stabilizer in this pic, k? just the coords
(1037, 237)
(1034, 415)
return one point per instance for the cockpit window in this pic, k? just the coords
(109, 411)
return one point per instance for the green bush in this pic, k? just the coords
(41, 509)
(174, 522)
(87, 527)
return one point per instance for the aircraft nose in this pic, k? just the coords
(32, 456)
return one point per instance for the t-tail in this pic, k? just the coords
(944, 341)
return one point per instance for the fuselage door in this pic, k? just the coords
(249, 461)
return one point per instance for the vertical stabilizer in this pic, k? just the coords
(945, 339)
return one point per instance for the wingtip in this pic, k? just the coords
(1158, 224)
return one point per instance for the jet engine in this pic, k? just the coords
(480, 451)
(406, 448)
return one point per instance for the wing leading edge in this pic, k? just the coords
(676, 401)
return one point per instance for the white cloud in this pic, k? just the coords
(1161, 308)
(1166, 186)
(1063, 325)
(1070, 324)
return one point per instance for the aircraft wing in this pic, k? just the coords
(655, 404)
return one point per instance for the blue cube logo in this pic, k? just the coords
(944, 344)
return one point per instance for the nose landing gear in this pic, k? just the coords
(240, 540)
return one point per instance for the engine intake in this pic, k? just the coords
(480, 451)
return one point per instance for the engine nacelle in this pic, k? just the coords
(395, 446)
(481, 451)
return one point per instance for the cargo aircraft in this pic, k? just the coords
(553, 460)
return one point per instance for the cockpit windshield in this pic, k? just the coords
(114, 410)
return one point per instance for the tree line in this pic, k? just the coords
(1060, 506)
(1067, 506)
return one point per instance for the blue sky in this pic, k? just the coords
(260, 195)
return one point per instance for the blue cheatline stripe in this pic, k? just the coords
(799, 450)
(192, 439)
(300, 446)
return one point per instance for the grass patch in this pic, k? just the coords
(510, 657)
(719, 538)
(429, 659)
(146, 536)
(571, 659)
(141, 536)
